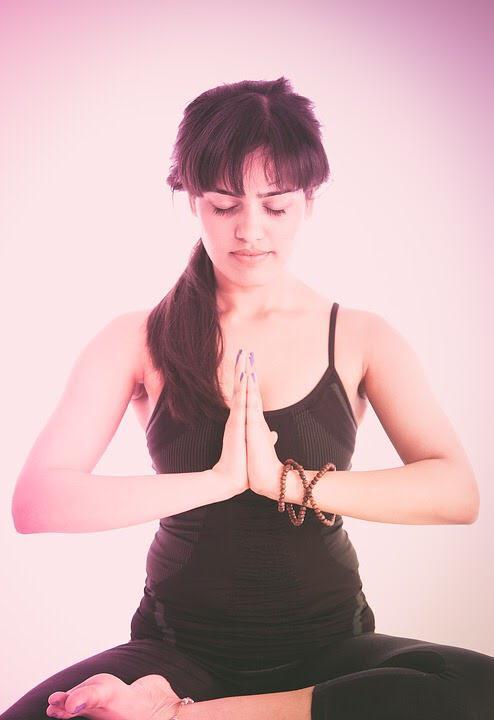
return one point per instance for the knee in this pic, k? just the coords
(475, 678)
(469, 674)
(472, 673)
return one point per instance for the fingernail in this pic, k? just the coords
(80, 707)
(238, 355)
(241, 375)
(253, 375)
(56, 702)
(251, 358)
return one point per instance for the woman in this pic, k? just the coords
(246, 612)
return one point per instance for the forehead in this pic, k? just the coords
(257, 173)
(269, 193)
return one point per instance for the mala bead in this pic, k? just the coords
(308, 496)
(297, 520)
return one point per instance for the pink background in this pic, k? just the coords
(92, 94)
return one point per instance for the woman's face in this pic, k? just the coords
(251, 223)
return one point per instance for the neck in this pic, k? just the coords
(255, 301)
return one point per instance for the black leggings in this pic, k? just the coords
(371, 676)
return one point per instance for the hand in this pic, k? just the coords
(232, 465)
(263, 465)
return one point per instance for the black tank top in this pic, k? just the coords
(234, 581)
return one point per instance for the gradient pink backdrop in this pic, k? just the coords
(92, 94)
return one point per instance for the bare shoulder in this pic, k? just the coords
(129, 329)
(379, 337)
(353, 331)
(133, 326)
(372, 335)
(354, 320)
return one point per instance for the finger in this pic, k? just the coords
(253, 407)
(253, 386)
(240, 386)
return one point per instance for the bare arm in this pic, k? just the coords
(74, 501)
(437, 483)
(56, 490)
(435, 491)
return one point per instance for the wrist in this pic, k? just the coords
(295, 491)
(305, 498)
(221, 489)
(276, 473)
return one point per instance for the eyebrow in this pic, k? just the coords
(221, 191)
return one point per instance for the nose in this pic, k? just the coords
(249, 225)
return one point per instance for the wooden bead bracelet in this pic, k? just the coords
(291, 464)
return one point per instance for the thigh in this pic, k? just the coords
(128, 661)
(468, 674)
(373, 650)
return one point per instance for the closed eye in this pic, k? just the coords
(226, 211)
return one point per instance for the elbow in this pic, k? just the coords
(19, 507)
(467, 499)
(468, 519)
(474, 504)
(21, 529)
(470, 509)
(22, 517)
(472, 516)
(20, 523)
(16, 516)
(29, 509)
(23, 526)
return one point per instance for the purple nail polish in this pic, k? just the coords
(251, 358)
(253, 376)
(238, 355)
(241, 375)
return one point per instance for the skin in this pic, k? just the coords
(244, 294)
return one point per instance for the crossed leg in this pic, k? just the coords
(372, 675)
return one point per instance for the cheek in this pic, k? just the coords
(216, 225)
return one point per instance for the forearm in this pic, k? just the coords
(426, 492)
(62, 500)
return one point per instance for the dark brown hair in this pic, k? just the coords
(219, 130)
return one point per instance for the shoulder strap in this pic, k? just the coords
(332, 325)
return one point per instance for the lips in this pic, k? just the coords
(251, 259)
(247, 254)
